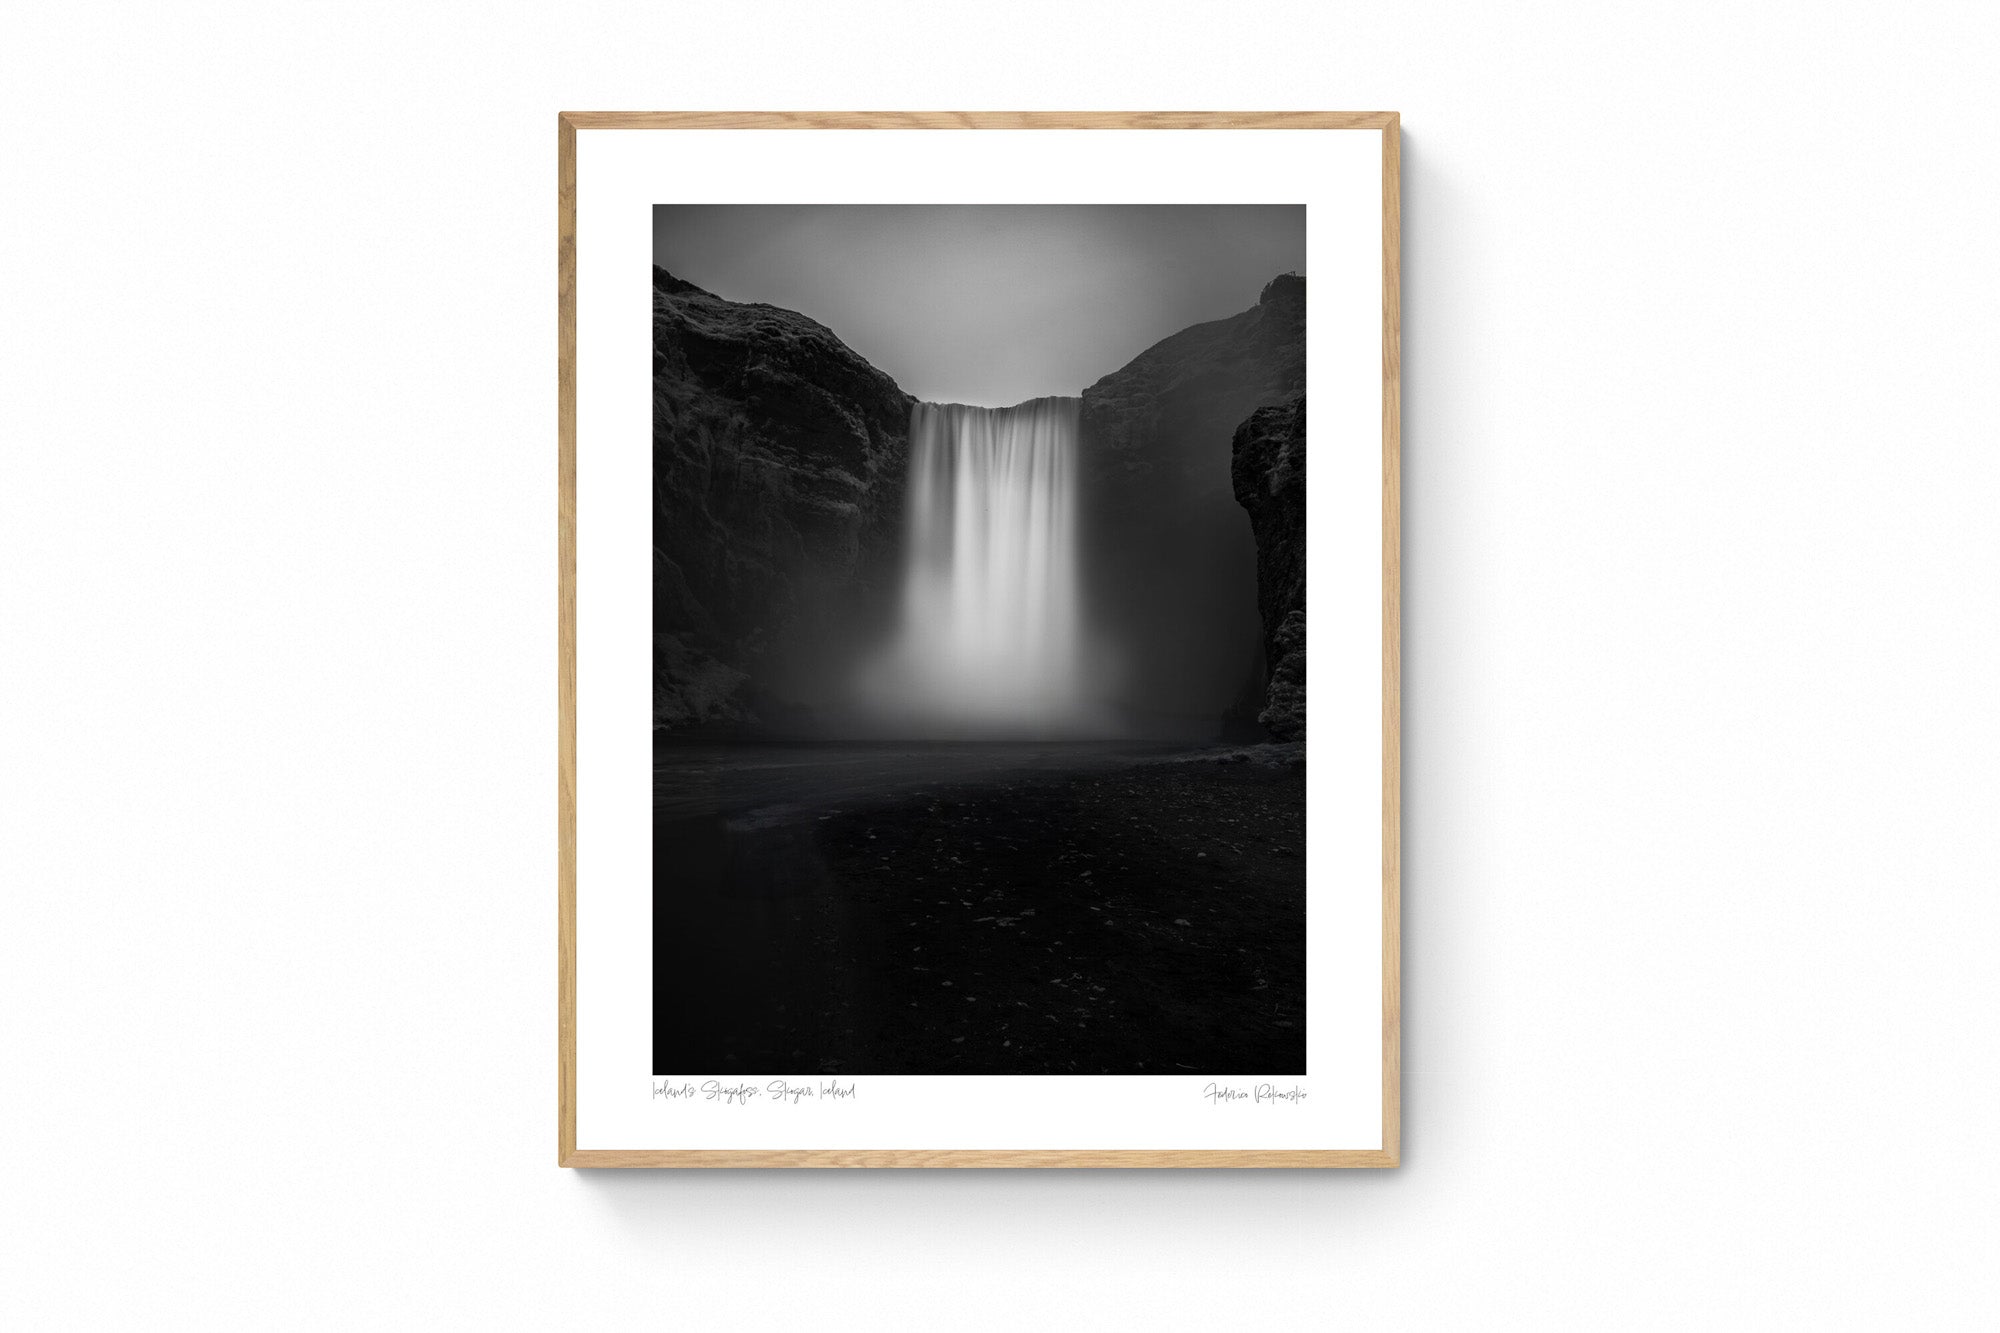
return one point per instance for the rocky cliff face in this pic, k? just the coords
(1268, 468)
(778, 466)
(1150, 419)
(1173, 564)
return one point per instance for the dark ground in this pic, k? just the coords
(978, 910)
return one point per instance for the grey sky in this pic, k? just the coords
(988, 304)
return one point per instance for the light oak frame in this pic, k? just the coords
(567, 126)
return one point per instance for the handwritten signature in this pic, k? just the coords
(1262, 1094)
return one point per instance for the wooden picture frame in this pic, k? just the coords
(569, 126)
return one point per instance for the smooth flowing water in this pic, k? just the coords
(991, 637)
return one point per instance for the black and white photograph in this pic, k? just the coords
(979, 638)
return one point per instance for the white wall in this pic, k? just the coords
(1702, 564)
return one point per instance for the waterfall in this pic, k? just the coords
(991, 636)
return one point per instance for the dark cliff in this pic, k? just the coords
(1268, 467)
(778, 467)
(1172, 564)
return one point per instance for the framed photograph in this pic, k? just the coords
(936, 535)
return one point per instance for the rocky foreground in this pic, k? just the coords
(1146, 919)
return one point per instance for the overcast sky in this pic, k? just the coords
(990, 304)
